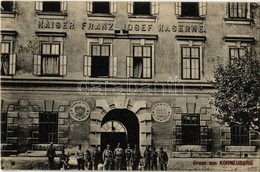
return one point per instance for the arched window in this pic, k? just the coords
(113, 126)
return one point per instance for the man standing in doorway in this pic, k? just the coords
(51, 154)
(108, 158)
(163, 159)
(119, 153)
(153, 160)
(80, 158)
(147, 159)
(128, 155)
(135, 158)
(96, 157)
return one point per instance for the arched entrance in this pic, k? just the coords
(119, 125)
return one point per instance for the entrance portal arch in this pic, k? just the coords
(120, 125)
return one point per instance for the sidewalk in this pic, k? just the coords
(174, 164)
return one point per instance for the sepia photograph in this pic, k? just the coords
(130, 85)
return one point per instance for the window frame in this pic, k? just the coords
(197, 10)
(46, 125)
(44, 3)
(237, 49)
(93, 7)
(49, 56)
(191, 127)
(237, 10)
(149, 13)
(190, 62)
(239, 138)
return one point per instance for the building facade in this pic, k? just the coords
(99, 73)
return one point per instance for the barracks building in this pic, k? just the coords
(98, 73)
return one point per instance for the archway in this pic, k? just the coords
(119, 125)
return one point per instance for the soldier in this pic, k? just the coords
(163, 159)
(80, 158)
(88, 161)
(64, 159)
(128, 155)
(147, 159)
(153, 160)
(96, 157)
(119, 153)
(108, 158)
(135, 158)
(51, 154)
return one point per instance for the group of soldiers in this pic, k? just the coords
(115, 160)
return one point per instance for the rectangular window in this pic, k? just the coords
(237, 10)
(236, 54)
(51, 6)
(3, 127)
(239, 135)
(48, 127)
(141, 65)
(190, 129)
(50, 54)
(101, 7)
(5, 53)
(100, 60)
(190, 9)
(142, 8)
(190, 60)
(7, 5)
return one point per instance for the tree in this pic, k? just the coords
(237, 93)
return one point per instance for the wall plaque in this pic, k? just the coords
(161, 112)
(79, 111)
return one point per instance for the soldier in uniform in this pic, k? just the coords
(96, 157)
(163, 159)
(51, 154)
(153, 160)
(88, 162)
(108, 158)
(119, 153)
(147, 159)
(128, 155)
(135, 158)
(80, 158)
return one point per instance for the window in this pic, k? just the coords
(7, 5)
(190, 130)
(100, 63)
(190, 62)
(50, 62)
(237, 10)
(139, 66)
(48, 127)
(143, 8)
(191, 9)
(100, 7)
(236, 53)
(3, 127)
(8, 60)
(53, 6)
(239, 135)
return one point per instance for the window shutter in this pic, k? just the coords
(89, 7)
(130, 7)
(112, 66)
(63, 65)
(129, 66)
(146, 68)
(38, 5)
(87, 66)
(12, 64)
(248, 8)
(227, 9)
(155, 8)
(202, 8)
(14, 6)
(37, 64)
(63, 5)
(178, 8)
(113, 7)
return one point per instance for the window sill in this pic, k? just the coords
(189, 148)
(197, 19)
(240, 148)
(238, 21)
(101, 17)
(142, 18)
(51, 15)
(8, 14)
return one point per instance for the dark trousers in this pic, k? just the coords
(51, 163)
(118, 163)
(163, 166)
(80, 164)
(153, 165)
(135, 164)
(108, 163)
(147, 165)
(95, 165)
